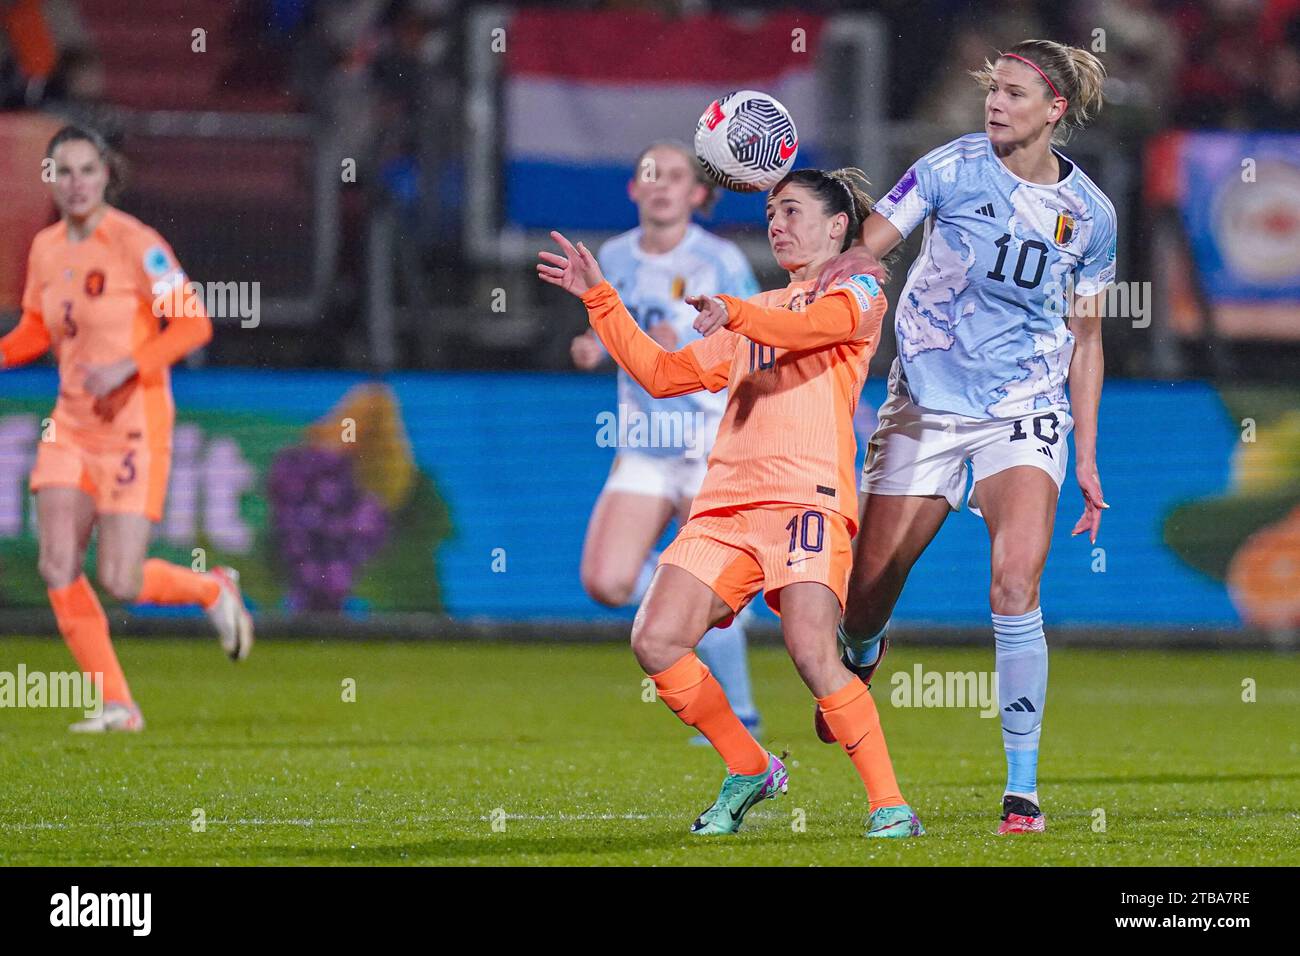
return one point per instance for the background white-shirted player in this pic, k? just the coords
(654, 267)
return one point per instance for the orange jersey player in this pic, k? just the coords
(784, 457)
(778, 507)
(100, 294)
(90, 302)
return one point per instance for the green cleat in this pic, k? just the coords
(897, 821)
(740, 793)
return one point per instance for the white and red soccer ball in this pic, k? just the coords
(746, 141)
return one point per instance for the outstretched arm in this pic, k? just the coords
(659, 372)
(850, 312)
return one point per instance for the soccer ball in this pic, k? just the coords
(746, 141)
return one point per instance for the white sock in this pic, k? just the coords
(1022, 691)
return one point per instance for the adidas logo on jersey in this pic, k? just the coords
(1021, 706)
(986, 210)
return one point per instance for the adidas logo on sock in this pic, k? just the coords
(1021, 706)
(986, 210)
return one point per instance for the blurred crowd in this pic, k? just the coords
(1222, 64)
(384, 73)
(1215, 63)
(386, 78)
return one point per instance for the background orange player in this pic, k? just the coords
(778, 507)
(99, 283)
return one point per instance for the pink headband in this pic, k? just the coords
(1017, 56)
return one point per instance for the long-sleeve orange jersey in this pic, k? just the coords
(100, 300)
(794, 370)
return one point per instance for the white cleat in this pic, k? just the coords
(116, 718)
(230, 617)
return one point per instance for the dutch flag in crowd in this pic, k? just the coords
(583, 93)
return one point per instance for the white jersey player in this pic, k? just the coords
(664, 444)
(999, 359)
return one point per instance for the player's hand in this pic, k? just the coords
(575, 272)
(1093, 502)
(586, 351)
(102, 379)
(713, 313)
(665, 335)
(106, 408)
(853, 262)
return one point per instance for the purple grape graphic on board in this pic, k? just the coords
(348, 501)
(326, 524)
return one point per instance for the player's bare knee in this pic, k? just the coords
(58, 570)
(655, 643)
(1013, 592)
(607, 589)
(122, 584)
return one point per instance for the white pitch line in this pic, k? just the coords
(326, 822)
(584, 816)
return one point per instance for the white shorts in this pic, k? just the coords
(915, 451)
(674, 477)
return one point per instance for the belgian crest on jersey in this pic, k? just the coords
(1064, 229)
(679, 287)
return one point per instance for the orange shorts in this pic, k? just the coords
(121, 475)
(763, 548)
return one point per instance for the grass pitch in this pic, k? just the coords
(499, 754)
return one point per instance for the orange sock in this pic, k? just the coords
(692, 693)
(851, 715)
(85, 630)
(166, 583)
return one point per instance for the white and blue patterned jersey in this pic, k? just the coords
(654, 287)
(981, 321)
